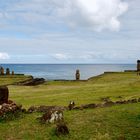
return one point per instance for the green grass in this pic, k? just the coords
(113, 123)
(11, 79)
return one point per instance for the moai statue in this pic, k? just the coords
(1, 71)
(13, 73)
(138, 67)
(4, 93)
(7, 71)
(77, 75)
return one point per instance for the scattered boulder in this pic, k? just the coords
(119, 97)
(45, 109)
(133, 100)
(52, 116)
(4, 94)
(105, 99)
(138, 99)
(77, 108)
(10, 107)
(61, 129)
(71, 105)
(88, 106)
(108, 104)
(32, 109)
(121, 102)
(99, 105)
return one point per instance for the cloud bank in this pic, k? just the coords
(4, 56)
(95, 15)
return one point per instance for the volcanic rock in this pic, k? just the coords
(61, 129)
(4, 94)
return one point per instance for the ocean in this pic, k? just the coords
(66, 71)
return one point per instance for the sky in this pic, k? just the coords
(69, 31)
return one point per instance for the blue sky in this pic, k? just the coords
(69, 31)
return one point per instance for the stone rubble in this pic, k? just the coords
(10, 107)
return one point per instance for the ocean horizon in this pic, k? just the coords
(66, 71)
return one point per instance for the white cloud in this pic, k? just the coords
(95, 15)
(60, 56)
(4, 56)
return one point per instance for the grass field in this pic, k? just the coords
(118, 122)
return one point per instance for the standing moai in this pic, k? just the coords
(77, 75)
(1, 71)
(4, 94)
(138, 67)
(7, 71)
(13, 73)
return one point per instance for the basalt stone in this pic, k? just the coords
(119, 97)
(32, 109)
(24, 110)
(125, 102)
(109, 103)
(77, 108)
(61, 129)
(134, 101)
(88, 106)
(52, 116)
(48, 108)
(99, 105)
(120, 102)
(8, 107)
(105, 99)
(45, 109)
(4, 94)
(128, 101)
(71, 105)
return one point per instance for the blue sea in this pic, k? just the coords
(66, 71)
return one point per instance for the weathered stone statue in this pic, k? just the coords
(77, 75)
(138, 67)
(7, 71)
(13, 73)
(4, 93)
(1, 71)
